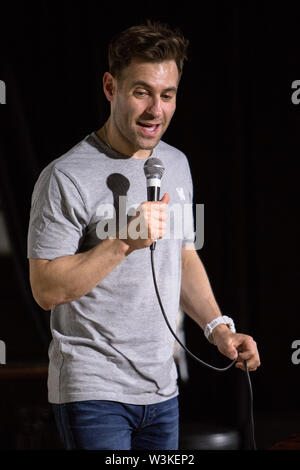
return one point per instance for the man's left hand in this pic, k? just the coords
(237, 345)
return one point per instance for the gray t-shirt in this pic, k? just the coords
(112, 343)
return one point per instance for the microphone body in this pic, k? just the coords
(153, 192)
(154, 170)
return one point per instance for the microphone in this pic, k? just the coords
(154, 170)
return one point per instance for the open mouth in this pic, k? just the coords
(148, 128)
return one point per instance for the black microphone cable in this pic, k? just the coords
(223, 369)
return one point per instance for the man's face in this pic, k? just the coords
(144, 102)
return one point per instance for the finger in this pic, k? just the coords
(246, 355)
(241, 365)
(157, 231)
(155, 207)
(231, 353)
(165, 199)
(250, 354)
(159, 215)
(228, 350)
(245, 345)
(252, 363)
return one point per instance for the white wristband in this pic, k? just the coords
(222, 320)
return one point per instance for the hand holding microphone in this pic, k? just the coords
(154, 171)
(149, 223)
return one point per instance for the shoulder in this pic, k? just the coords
(78, 158)
(172, 156)
(74, 162)
(168, 149)
(65, 174)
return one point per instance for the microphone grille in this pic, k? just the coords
(154, 168)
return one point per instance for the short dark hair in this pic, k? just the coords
(152, 42)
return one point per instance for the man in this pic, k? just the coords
(112, 378)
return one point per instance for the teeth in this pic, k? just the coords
(148, 125)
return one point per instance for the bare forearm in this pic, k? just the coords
(197, 298)
(70, 277)
(58, 281)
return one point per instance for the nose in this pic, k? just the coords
(155, 107)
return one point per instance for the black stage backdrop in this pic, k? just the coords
(237, 124)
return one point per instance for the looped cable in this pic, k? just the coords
(218, 369)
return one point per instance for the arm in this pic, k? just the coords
(67, 278)
(198, 301)
(61, 280)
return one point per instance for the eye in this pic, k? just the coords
(140, 93)
(167, 97)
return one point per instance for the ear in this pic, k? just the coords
(109, 85)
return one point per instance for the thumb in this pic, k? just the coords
(228, 349)
(232, 353)
(165, 199)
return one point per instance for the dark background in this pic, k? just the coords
(239, 128)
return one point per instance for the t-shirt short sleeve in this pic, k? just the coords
(57, 216)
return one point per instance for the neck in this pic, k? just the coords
(113, 140)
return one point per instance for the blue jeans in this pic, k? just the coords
(105, 425)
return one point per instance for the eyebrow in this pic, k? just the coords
(146, 85)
